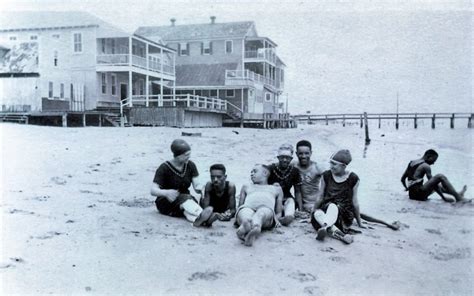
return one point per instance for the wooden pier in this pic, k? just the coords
(397, 117)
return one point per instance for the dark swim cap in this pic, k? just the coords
(179, 147)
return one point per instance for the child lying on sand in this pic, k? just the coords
(260, 206)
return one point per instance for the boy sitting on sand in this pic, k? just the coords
(415, 173)
(337, 204)
(260, 205)
(287, 176)
(219, 193)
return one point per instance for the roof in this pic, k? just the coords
(36, 20)
(197, 31)
(202, 74)
(22, 58)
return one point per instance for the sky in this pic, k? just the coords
(341, 56)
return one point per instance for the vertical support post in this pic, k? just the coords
(469, 121)
(327, 120)
(174, 90)
(160, 102)
(415, 121)
(361, 122)
(343, 120)
(187, 101)
(242, 105)
(84, 124)
(396, 122)
(147, 89)
(380, 121)
(433, 124)
(130, 88)
(100, 120)
(366, 122)
(64, 117)
(130, 52)
(452, 121)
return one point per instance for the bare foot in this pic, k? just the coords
(339, 235)
(211, 220)
(461, 193)
(286, 220)
(243, 230)
(394, 226)
(251, 236)
(203, 217)
(322, 232)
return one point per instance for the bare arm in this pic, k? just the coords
(404, 177)
(206, 200)
(319, 197)
(298, 197)
(197, 186)
(355, 203)
(232, 207)
(427, 172)
(279, 202)
(243, 195)
(170, 194)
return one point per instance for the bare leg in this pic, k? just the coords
(326, 220)
(289, 209)
(263, 218)
(395, 225)
(432, 185)
(204, 216)
(191, 210)
(339, 235)
(244, 219)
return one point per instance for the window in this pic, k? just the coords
(206, 47)
(77, 42)
(229, 93)
(55, 58)
(282, 76)
(102, 42)
(50, 89)
(114, 84)
(214, 93)
(12, 38)
(141, 87)
(33, 37)
(61, 91)
(228, 46)
(104, 83)
(183, 49)
(268, 97)
(112, 46)
(56, 36)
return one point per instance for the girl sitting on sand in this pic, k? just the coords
(171, 187)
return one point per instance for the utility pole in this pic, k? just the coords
(286, 103)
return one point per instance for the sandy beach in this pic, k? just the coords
(77, 216)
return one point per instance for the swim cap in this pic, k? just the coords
(179, 147)
(342, 156)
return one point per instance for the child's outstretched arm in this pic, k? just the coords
(355, 203)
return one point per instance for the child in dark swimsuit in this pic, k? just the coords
(415, 173)
(220, 193)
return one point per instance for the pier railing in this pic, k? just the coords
(310, 118)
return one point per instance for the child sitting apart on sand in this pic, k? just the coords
(287, 176)
(337, 203)
(415, 173)
(220, 193)
(171, 187)
(260, 205)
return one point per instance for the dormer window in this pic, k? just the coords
(12, 38)
(34, 37)
(228, 46)
(206, 47)
(183, 49)
(55, 58)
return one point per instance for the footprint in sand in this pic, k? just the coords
(303, 276)
(49, 235)
(15, 211)
(328, 250)
(465, 231)
(312, 290)
(433, 231)
(136, 203)
(446, 254)
(91, 192)
(338, 259)
(217, 233)
(58, 181)
(206, 276)
(42, 197)
(373, 276)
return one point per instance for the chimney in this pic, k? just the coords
(213, 20)
(173, 20)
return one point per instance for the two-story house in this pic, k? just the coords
(73, 61)
(227, 61)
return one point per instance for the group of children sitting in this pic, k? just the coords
(329, 196)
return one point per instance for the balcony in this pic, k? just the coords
(251, 76)
(261, 54)
(136, 61)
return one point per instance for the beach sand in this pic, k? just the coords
(77, 216)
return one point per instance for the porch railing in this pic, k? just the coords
(186, 100)
(247, 74)
(137, 61)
